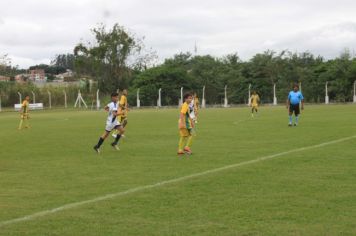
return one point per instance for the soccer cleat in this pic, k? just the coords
(290, 124)
(187, 151)
(295, 124)
(115, 135)
(115, 146)
(97, 149)
(180, 153)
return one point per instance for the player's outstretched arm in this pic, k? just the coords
(192, 122)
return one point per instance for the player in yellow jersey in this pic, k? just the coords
(255, 99)
(185, 125)
(196, 107)
(25, 107)
(123, 105)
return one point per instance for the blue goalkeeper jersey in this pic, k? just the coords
(295, 97)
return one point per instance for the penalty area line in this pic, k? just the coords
(166, 182)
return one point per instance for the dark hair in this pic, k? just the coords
(27, 95)
(114, 94)
(186, 95)
(295, 85)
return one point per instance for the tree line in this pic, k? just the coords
(117, 62)
(118, 59)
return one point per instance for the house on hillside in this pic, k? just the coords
(21, 78)
(66, 76)
(4, 78)
(37, 75)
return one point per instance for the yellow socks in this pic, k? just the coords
(181, 143)
(20, 125)
(190, 141)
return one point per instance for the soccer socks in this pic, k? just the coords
(118, 136)
(27, 123)
(290, 119)
(296, 119)
(181, 143)
(101, 140)
(20, 125)
(190, 141)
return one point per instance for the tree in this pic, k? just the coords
(65, 61)
(111, 58)
(5, 65)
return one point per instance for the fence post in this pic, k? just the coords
(274, 95)
(203, 98)
(249, 95)
(20, 97)
(225, 100)
(49, 99)
(97, 100)
(355, 91)
(326, 93)
(300, 89)
(138, 99)
(181, 97)
(65, 99)
(34, 97)
(159, 103)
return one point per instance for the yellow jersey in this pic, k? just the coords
(196, 102)
(185, 111)
(123, 105)
(255, 99)
(25, 106)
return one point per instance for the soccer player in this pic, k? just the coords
(124, 107)
(112, 123)
(192, 109)
(196, 107)
(295, 97)
(185, 125)
(255, 99)
(24, 112)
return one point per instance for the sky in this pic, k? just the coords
(34, 31)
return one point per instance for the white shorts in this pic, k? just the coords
(111, 126)
(192, 115)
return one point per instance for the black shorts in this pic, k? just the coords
(294, 108)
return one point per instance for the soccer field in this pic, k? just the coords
(247, 176)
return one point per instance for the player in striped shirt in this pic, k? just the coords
(185, 125)
(112, 123)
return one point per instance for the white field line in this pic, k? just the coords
(166, 182)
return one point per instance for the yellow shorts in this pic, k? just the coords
(185, 132)
(25, 116)
(122, 118)
(254, 106)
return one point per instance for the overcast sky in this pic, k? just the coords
(34, 31)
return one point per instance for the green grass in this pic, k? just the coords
(311, 192)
